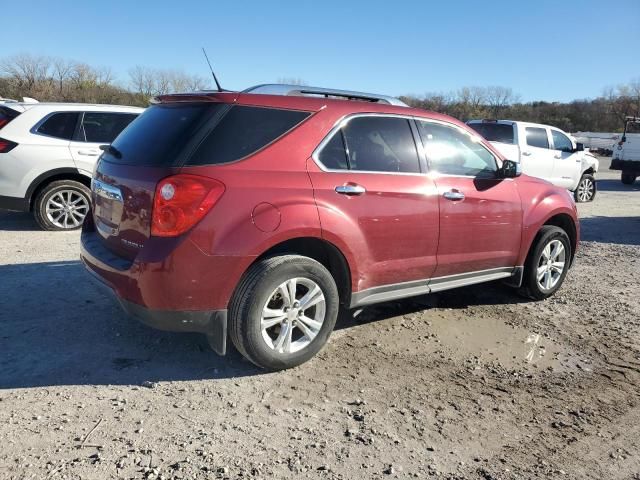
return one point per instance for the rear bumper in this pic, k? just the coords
(212, 323)
(17, 204)
(158, 293)
(625, 165)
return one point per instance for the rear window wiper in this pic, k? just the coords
(112, 150)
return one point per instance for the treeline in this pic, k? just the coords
(56, 79)
(50, 79)
(603, 114)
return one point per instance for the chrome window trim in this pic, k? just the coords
(342, 121)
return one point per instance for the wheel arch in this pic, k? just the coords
(566, 223)
(44, 179)
(324, 252)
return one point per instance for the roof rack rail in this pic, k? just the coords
(302, 90)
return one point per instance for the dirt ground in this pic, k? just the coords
(468, 384)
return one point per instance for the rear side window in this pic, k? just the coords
(372, 144)
(381, 144)
(60, 125)
(159, 135)
(495, 132)
(104, 127)
(561, 142)
(537, 137)
(6, 115)
(333, 154)
(243, 131)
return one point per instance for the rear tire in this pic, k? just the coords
(586, 190)
(542, 275)
(62, 205)
(628, 178)
(269, 325)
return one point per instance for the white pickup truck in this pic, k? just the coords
(545, 152)
(626, 153)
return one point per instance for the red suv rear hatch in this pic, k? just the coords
(149, 149)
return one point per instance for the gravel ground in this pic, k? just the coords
(473, 383)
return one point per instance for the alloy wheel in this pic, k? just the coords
(67, 208)
(586, 190)
(293, 315)
(551, 265)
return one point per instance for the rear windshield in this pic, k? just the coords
(495, 132)
(160, 133)
(6, 115)
(167, 134)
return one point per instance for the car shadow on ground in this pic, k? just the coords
(17, 221)
(56, 328)
(618, 230)
(611, 185)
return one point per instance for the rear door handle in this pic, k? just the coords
(90, 153)
(350, 189)
(526, 154)
(558, 156)
(453, 195)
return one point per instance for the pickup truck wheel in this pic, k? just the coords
(547, 263)
(62, 205)
(628, 178)
(283, 311)
(586, 190)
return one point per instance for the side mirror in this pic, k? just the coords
(510, 169)
(579, 147)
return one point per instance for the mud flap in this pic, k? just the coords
(217, 335)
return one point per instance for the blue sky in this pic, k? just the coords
(543, 49)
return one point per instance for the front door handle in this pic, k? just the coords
(526, 154)
(350, 189)
(453, 195)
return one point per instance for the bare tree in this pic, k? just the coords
(498, 98)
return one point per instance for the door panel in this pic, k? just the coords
(391, 228)
(567, 163)
(480, 231)
(537, 158)
(85, 154)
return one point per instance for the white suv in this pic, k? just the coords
(47, 155)
(545, 152)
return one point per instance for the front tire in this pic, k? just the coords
(283, 311)
(586, 190)
(547, 263)
(628, 178)
(62, 205)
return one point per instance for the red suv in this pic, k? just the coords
(256, 214)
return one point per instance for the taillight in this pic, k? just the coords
(6, 145)
(181, 201)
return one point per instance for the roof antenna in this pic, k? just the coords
(215, 79)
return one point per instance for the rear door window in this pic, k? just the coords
(159, 135)
(104, 127)
(537, 137)
(243, 131)
(333, 155)
(495, 132)
(60, 125)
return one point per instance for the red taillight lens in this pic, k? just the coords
(181, 201)
(6, 145)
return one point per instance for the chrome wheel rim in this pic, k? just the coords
(67, 208)
(551, 265)
(293, 315)
(585, 190)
